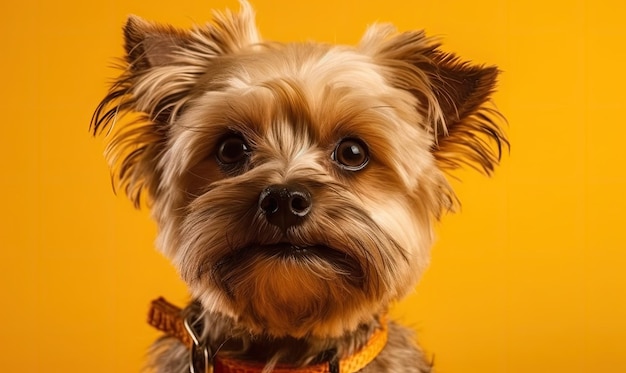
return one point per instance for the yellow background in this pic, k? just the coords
(529, 277)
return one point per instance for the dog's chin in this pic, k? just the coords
(288, 289)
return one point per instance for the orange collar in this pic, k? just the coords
(168, 318)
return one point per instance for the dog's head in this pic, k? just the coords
(295, 185)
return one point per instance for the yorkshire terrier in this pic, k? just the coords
(294, 185)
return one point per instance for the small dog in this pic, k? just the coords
(295, 186)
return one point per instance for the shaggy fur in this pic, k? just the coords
(223, 129)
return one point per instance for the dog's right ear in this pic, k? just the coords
(160, 71)
(150, 45)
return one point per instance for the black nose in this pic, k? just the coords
(285, 205)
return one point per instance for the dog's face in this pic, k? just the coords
(295, 185)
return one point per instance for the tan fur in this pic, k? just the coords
(365, 241)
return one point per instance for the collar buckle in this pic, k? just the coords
(200, 357)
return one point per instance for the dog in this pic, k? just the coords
(295, 185)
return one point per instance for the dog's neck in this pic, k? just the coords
(227, 338)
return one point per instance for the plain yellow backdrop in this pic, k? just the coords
(529, 277)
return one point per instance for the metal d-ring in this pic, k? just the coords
(200, 354)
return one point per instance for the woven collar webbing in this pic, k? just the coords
(169, 319)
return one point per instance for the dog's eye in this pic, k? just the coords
(351, 154)
(232, 149)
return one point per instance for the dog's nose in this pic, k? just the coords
(285, 205)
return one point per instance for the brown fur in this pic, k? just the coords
(290, 294)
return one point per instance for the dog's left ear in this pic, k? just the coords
(452, 96)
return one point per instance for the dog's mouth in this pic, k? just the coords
(295, 251)
(304, 256)
(290, 251)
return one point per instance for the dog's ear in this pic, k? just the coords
(150, 45)
(160, 72)
(471, 131)
(453, 96)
